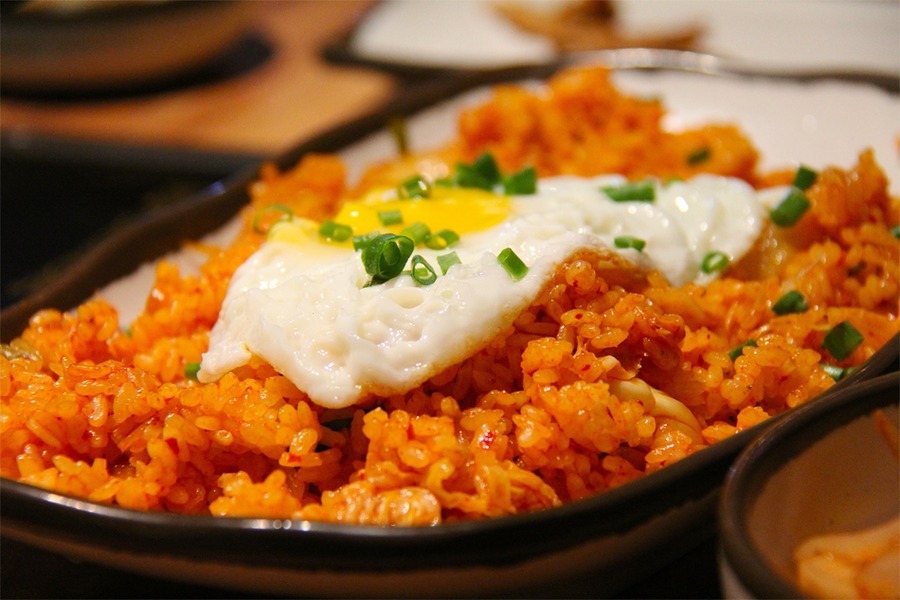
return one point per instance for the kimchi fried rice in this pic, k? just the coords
(610, 374)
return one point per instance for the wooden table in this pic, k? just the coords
(292, 95)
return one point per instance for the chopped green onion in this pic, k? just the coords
(513, 265)
(422, 272)
(468, 177)
(335, 231)
(842, 339)
(445, 261)
(286, 215)
(791, 302)
(641, 191)
(385, 257)
(446, 182)
(790, 209)
(190, 370)
(804, 177)
(714, 262)
(442, 239)
(127, 332)
(701, 155)
(739, 350)
(414, 187)
(895, 231)
(482, 173)
(390, 217)
(487, 166)
(521, 183)
(628, 241)
(418, 232)
(835, 372)
(361, 241)
(397, 126)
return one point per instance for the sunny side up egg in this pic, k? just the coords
(309, 307)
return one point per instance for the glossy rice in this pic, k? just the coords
(609, 375)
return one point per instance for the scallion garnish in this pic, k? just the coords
(790, 209)
(628, 241)
(842, 339)
(445, 261)
(804, 177)
(335, 231)
(280, 212)
(739, 349)
(791, 302)
(418, 232)
(482, 173)
(513, 265)
(640, 191)
(190, 370)
(361, 241)
(468, 177)
(397, 126)
(421, 271)
(714, 262)
(386, 255)
(390, 217)
(414, 187)
(835, 372)
(699, 155)
(442, 239)
(521, 183)
(895, 231)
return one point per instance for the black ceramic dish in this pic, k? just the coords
(84, 48)
(841, 493)
(614, 538)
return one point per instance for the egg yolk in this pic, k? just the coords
(462, 210)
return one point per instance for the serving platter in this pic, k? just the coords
(606, 542)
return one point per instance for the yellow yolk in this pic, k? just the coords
(461, 210)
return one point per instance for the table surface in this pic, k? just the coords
(289, 94)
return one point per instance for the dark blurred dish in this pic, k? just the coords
(81, 47)
(823, 469)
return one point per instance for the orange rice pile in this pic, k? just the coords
(609, 375)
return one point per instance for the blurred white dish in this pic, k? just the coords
(806, 34)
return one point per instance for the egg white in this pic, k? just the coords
(305, 307)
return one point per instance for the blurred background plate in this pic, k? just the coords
(412, 37)
(78, 46)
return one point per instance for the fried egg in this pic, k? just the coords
(308, 306)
